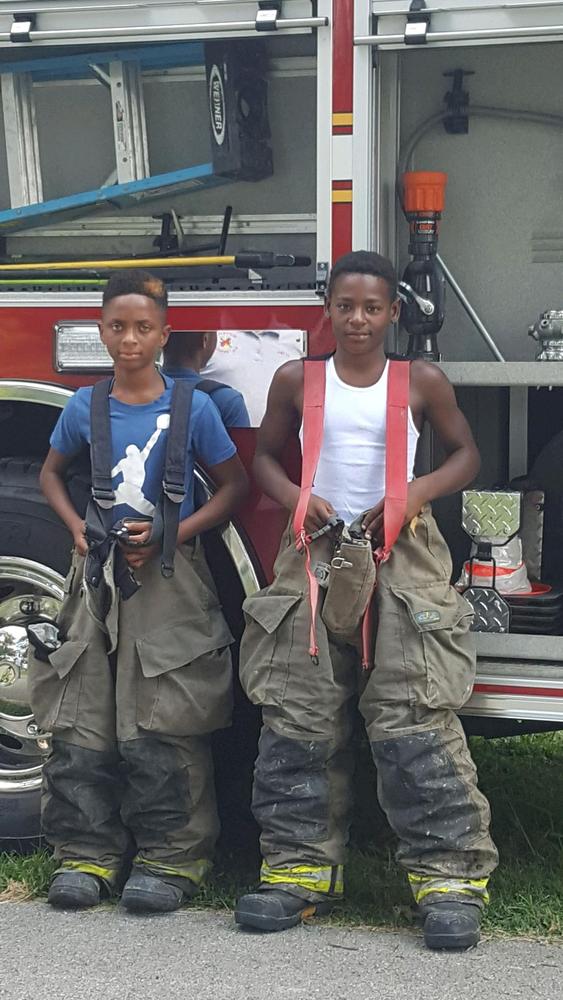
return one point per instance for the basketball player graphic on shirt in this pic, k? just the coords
(132, 468)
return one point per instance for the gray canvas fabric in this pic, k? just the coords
(424, 670)
(131, 701)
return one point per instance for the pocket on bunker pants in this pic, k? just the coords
(185, 684)
(438, 648)
(268, 644)
(54, 686)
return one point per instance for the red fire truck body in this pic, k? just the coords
(346, 79)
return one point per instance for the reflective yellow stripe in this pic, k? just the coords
(108, 874)
(343, 118)
(342, 195)
(327, 880)
(195, 871)
(423, 885)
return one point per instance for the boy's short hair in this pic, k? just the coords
(133, 281)
(184, 343)
(364, 262)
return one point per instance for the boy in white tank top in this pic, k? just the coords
(424, 657)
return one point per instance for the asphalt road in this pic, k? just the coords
(198, 955)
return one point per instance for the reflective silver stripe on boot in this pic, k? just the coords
(423, 886)
(323, 880)
(195, 871)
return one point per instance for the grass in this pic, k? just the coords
(523, 779)
(24, 877)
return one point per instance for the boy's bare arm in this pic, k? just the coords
(433, 395)
(279, 422)
(232, 486)
(283, 413)
(52, 483)
(433, 399)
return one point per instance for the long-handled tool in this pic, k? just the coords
(264, 260)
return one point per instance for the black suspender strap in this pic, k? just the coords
(99, 513)
(173, 484)
(100, 444)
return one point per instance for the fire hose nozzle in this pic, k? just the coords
(424, 191)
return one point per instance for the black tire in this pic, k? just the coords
(28, 526)
(28, 529)
(20, 822)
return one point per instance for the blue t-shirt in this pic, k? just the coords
(228, 401)
(139, 433)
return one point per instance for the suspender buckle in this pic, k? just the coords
(322, 573)
(334, 523)
(301, 540)
(176, 494)
(104, 498)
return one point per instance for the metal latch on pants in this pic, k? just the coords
(339, 562)
(321, 573)
(322, 570)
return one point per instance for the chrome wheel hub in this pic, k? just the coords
(28, 592)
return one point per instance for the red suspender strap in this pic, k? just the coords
(314, 380)
(396, 455)
(396, 484)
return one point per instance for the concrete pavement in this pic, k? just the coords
(105, 954)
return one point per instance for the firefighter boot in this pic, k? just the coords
(149, 894)
(451, 924)
(74, 890)
(277, 909)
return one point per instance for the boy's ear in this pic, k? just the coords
(395, 310)
(100, 329)
(326, 305)
(166, 331)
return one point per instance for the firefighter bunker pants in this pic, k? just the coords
(130, 702)
(424, 671)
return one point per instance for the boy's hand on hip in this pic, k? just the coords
(137, 557)
(319, 511)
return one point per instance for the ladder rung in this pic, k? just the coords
(129, 122)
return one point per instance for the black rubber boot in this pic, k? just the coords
(276, 910)
(149, 894)
(451, 924)
(74, 890)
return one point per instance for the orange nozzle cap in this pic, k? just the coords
(424, 191)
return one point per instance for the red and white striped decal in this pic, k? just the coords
(342, 125)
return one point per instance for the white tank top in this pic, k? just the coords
(351, 469)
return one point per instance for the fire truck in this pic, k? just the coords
(241, 146)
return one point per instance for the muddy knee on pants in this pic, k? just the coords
(291, 788)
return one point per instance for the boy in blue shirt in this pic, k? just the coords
(185, 354)
(131, 695)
